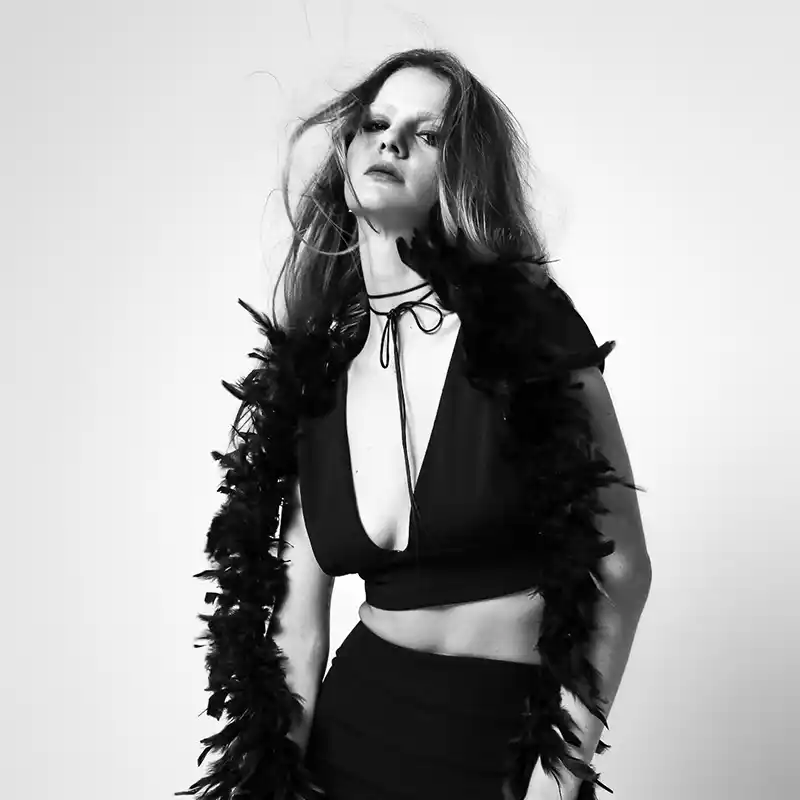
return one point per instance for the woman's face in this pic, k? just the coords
(399, 128)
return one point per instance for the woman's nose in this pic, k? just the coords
(392, 141)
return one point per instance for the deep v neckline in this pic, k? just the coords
(348, 463)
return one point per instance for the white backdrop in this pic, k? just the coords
(139, 145)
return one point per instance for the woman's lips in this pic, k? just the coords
(376, 173)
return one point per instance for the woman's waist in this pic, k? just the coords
(504, 628)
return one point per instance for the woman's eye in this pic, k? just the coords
(376, 124)
(434, 135)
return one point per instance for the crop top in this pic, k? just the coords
(474, 546)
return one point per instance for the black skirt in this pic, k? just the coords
(394, 723)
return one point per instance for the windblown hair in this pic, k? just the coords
(481, 190)
(482, 199)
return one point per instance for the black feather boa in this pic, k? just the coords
(521, 337)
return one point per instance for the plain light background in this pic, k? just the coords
(140, 143)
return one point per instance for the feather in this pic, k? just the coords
(522, 339)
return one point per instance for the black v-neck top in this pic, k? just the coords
(465, 491)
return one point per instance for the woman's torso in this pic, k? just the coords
(504, 627)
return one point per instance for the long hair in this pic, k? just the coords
(482, 194)
(481, 179)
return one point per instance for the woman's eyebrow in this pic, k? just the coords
(422, 115)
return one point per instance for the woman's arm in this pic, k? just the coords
(625, 577)
(617, 621)
(301, 626)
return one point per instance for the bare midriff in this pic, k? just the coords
(504, 628)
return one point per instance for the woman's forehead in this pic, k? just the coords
(417, 92)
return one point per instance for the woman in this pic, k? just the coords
(431, 416)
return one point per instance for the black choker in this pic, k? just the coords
(394, 318)
(402, 291)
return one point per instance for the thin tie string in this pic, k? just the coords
(392, 329)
